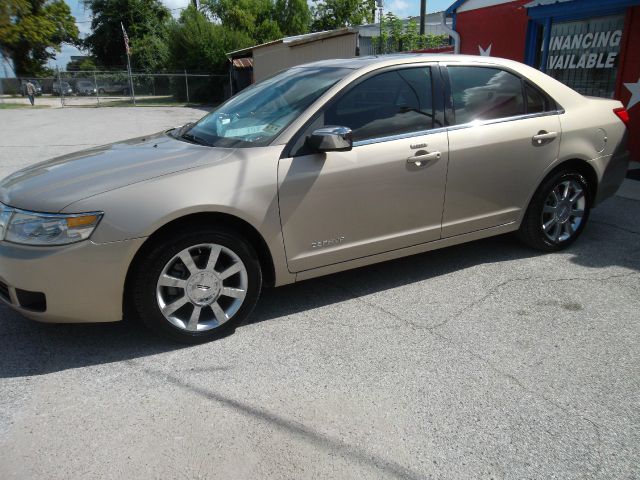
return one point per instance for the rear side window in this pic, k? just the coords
(390, 103)
(537, 102)
(481, 93)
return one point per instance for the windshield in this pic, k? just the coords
(258, 114)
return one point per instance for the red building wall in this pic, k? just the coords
(629, 74)
(503, 27)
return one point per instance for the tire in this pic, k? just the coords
(557, 213)
(101, 91)
(201, 285)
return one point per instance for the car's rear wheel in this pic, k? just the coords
(197, 286)
(558, 212)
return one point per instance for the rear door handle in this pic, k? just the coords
(422, 158)
(544, 137)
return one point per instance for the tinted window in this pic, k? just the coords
(537, 102)
(481, 93)
(388, 104)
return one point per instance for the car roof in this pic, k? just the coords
(361, 65)
(357, 63)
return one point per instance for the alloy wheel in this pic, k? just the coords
(202, 287)
(563, 211)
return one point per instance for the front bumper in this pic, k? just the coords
(82, 282)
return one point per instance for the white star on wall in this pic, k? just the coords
(487, 52)
(634, 88)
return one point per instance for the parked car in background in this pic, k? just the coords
(321, 168)
(85, 87)
(113, 88)
(36, 84)
(61, 88)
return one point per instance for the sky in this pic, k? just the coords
(402, 8)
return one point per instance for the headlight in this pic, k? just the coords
(30, 228)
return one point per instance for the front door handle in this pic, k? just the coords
(422, 158)
(543, 137)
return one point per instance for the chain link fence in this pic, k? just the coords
(118, 88)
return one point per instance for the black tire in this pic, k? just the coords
(158, 255)
(101, 91)
(531, 230)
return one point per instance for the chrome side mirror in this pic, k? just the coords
(331, 139)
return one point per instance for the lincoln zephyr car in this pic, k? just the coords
(320, 168)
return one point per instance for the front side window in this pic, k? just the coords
(390, 103)
(482, 93)
(255, 116)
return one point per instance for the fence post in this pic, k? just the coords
(95, 84)
(186, 82)
(60, 91)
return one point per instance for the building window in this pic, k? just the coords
(584, 54)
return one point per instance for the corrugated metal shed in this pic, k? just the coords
(296, 40)
(269, 58)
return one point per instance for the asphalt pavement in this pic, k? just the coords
(482, 361)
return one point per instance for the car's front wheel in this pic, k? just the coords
(197, 286)
(558, 212)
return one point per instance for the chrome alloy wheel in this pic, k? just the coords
(202, 287)
(563, 211)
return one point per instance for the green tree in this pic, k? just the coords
(400, 37)
(293, 16)
(261, 20)
(196, 44)
(83, 65)
(332, 14)
(145, 22)
(395, 29)
(256, 18)
(32, 31)
(150, 52)
(411, 36)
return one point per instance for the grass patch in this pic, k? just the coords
(145, 102)
(7, 106)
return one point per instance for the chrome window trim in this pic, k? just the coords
(399, 136)
(478, 123)
(526, 116)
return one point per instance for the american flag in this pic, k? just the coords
(126, 39)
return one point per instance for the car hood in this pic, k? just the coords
(52, 185)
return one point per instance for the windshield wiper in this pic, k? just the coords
(190, 137)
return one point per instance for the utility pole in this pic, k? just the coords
(423, 16)
(380, 4)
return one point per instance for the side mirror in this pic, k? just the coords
(331, 139)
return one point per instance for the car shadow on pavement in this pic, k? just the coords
(30, 348)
